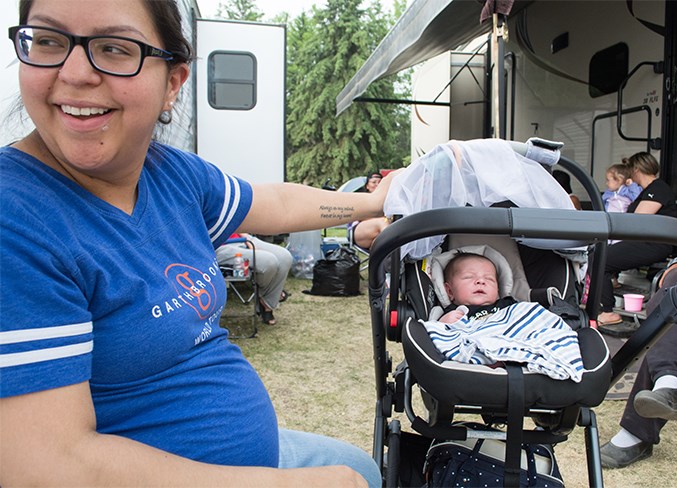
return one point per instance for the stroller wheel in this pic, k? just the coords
(393, 461)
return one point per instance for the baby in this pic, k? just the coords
(479, 327)
(471, 283)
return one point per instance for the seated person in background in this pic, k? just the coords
(363, 233)
(620, 193)
(373, 180)
(653, 398)
(273, 263)
(479, 326)
(621, 190)
(565, 182)
(656, 198)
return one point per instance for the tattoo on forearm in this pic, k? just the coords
(333, 212)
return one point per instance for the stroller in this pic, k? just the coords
(448, 388)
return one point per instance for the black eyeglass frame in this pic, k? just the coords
(147, 51)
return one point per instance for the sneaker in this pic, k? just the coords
(620, 457)
(661, 403)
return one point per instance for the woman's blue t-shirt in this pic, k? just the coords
(131, 303)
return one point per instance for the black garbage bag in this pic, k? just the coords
(337, 275)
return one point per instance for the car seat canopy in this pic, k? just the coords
(478, 173)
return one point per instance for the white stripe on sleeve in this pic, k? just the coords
(19, 358)
(41, 333)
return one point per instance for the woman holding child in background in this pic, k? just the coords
(656, 198)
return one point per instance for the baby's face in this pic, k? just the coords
(613, 181)
(473, 282)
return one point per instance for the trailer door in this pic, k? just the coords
(240, 98)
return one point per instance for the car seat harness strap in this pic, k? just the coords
(513, 450)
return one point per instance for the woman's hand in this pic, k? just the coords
(381, 190)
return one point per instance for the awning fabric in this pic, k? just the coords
(427, 28)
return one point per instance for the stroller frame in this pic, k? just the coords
(389, 312)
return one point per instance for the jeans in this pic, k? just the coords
(303, 450)
(272, 266)
(626, 255)
(659, 361)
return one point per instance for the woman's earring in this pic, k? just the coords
(165, 117)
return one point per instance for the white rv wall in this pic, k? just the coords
(429, 123)
(550, 106)
(555, 108)
(245, 143)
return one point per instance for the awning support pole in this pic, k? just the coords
(498, 39)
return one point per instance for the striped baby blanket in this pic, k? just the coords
(523, 332)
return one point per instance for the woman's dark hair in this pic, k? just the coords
(563, 179)
(166, 19)
(644, 163)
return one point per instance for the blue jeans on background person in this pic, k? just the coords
(625, 255)
(304, 450)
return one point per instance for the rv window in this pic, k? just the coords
(608, 69)
(231, 79)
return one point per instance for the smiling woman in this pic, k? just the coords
(111, 293)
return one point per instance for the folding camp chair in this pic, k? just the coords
(233, 282)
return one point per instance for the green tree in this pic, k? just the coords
(325, 49)
(239, 10)
(399, 6)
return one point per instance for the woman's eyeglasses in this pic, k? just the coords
(46, 47)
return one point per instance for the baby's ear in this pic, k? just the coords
(447, 288)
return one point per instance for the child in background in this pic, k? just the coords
(621, 190)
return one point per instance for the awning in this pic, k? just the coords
(427, 28)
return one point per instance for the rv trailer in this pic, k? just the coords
(598, 76)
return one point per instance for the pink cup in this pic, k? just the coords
(633, 302)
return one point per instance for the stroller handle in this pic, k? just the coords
(584, 227)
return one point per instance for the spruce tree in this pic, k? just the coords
(325, 49)
(239, 10)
